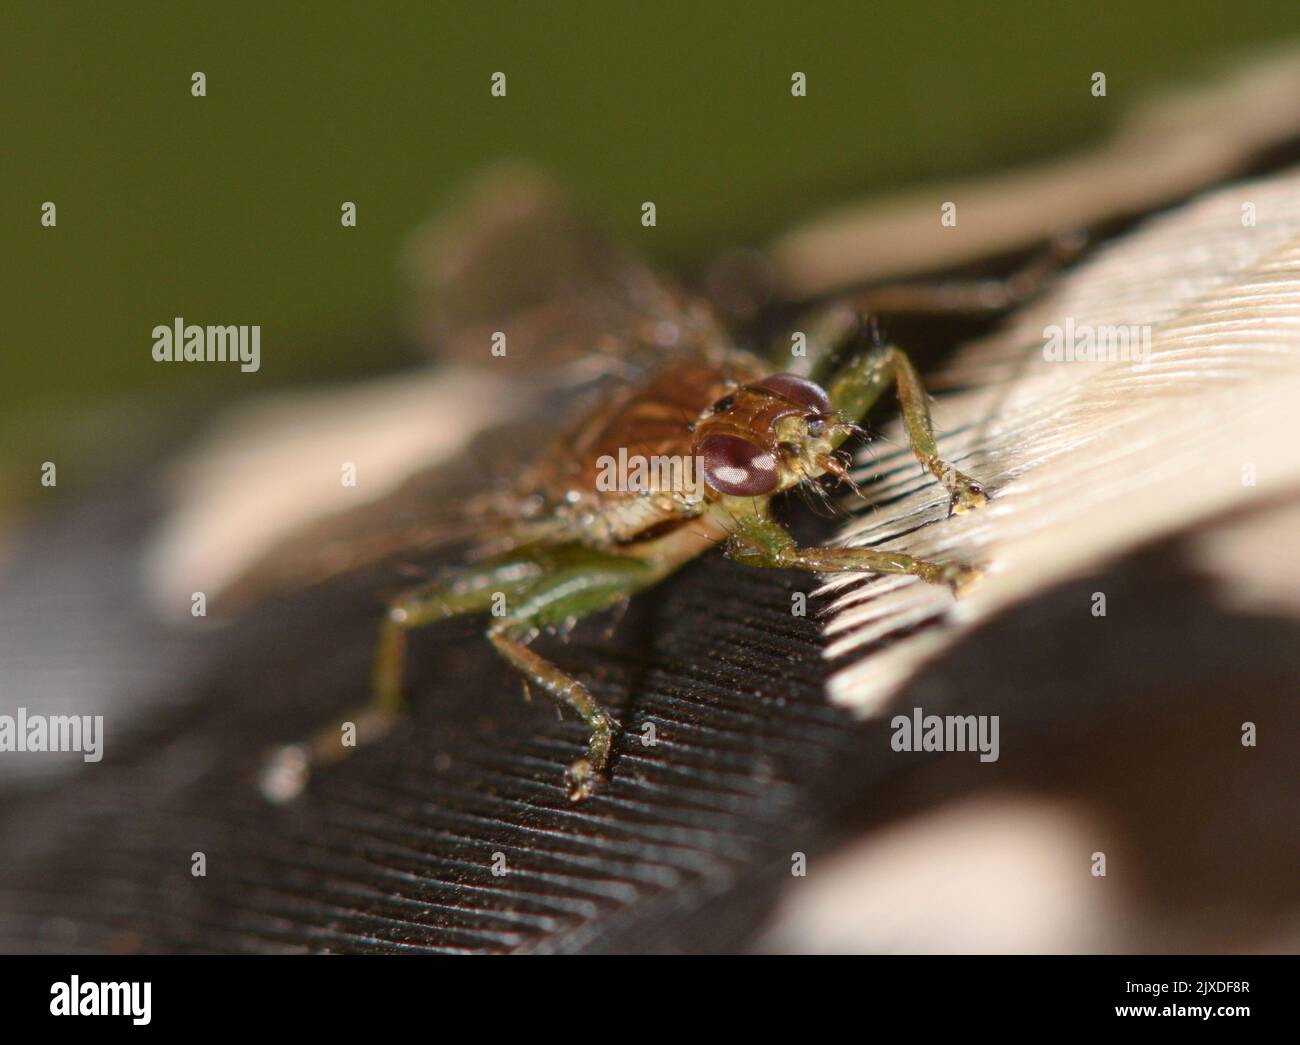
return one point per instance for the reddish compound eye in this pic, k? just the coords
(800, 390)
(736, 466)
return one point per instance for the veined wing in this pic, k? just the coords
(510, 255)
(513, 255)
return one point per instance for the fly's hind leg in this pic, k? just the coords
(287, 768)
(539, 587)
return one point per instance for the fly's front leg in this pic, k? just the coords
(855, 380)
(759, 540)
(855, 383)
(861, 383)
(287, 768)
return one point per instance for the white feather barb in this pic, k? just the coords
(1088, 460)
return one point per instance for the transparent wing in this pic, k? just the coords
(512, 255)
(451, 502)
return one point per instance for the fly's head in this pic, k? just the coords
(767, 437)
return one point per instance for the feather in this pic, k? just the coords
(1167, 148)
(1088, 460)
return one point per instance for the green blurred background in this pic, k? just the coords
(226, 208)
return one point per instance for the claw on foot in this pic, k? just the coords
(582, 779)
(960, 578)
(967, 497)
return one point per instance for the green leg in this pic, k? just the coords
(854, 384)
(584, 773)
(580, 582)
(477, 591)
(541, 587)
(856, 381)
(287, 768)
(833, 326)
(864, 379)
(973, 297)
(759, 540)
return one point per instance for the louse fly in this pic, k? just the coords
(670, 385)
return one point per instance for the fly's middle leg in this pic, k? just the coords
(974, 297)
(583, 773)
(584, 581)
(830, 328)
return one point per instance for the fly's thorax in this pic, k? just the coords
(625, 471)
(765, 437)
